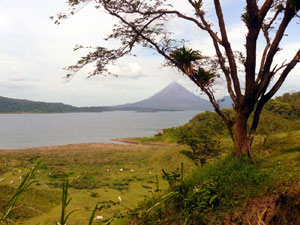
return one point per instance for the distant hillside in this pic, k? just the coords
(225, 102)
(172, 97)
(10, 105)
(288, 105)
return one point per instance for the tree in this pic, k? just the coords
(249, 84)
(270, 125)
(202, 145)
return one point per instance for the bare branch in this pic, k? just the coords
(216, 41)
(206, 25)
(266, 75)
(139, 33)
(265, 28)
(265, 9)
(229, 124)
(229, 52)
(284, 74)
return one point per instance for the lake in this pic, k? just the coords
(38, 130)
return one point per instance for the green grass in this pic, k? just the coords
(103, 172)
(94, 175)
(226, 186)
(237, 180)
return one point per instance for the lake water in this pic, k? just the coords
(37, 130)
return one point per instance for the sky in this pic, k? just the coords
(34, 51)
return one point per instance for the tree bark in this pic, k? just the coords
(241, 140)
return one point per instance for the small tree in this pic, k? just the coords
(202, 146)
(270, 125)
(210, 124)
(248, 82)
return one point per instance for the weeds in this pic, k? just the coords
(207, 192)
(65, 202)
(21, 190)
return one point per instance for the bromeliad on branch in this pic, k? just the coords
(184, 59)
(251, 77)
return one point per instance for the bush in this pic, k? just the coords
(236, 180)
(207, 193)
(84, 184)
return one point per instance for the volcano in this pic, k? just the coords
(172, 97)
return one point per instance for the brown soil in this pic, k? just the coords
(137, 142)
(278, 209)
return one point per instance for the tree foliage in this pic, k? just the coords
(272, 124)
(250, 84)
(203, 136)
(202, 146)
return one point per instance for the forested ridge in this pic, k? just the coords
(10, 105)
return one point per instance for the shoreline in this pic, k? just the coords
(120, 143)
(115, 142)
(133, 141)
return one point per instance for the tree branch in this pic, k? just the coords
(229, 52)
(284, 74)
(266, 75)
(155, 45)
(216, 41)
(210, 95)
(265, 29)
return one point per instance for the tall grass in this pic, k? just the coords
(65, 202)
(21, 190)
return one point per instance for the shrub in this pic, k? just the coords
(207, 193)
(202, 145)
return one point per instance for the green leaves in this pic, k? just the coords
(65, 202)
(201, 142)
(184, 58)
(187, 59)
(93, 214)
(205, 196)
(183, 55)
(205, 77)
(171, 178)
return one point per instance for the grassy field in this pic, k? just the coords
(96, 172)
(102, 172)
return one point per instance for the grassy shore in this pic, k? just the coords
(102, 172)
(96, 172)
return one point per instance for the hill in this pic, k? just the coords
(172, 97)
(287, 105)
(10, 105)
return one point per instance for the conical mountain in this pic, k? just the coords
(172, 97)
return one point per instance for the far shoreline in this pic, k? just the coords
(114, 142)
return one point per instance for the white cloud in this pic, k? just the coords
(33, 52)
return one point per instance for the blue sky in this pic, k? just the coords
(33, 52)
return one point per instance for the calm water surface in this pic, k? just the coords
(37, 130)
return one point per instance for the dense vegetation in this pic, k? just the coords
(10, 105)
(287, 105)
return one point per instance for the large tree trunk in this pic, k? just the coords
(242, 143)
